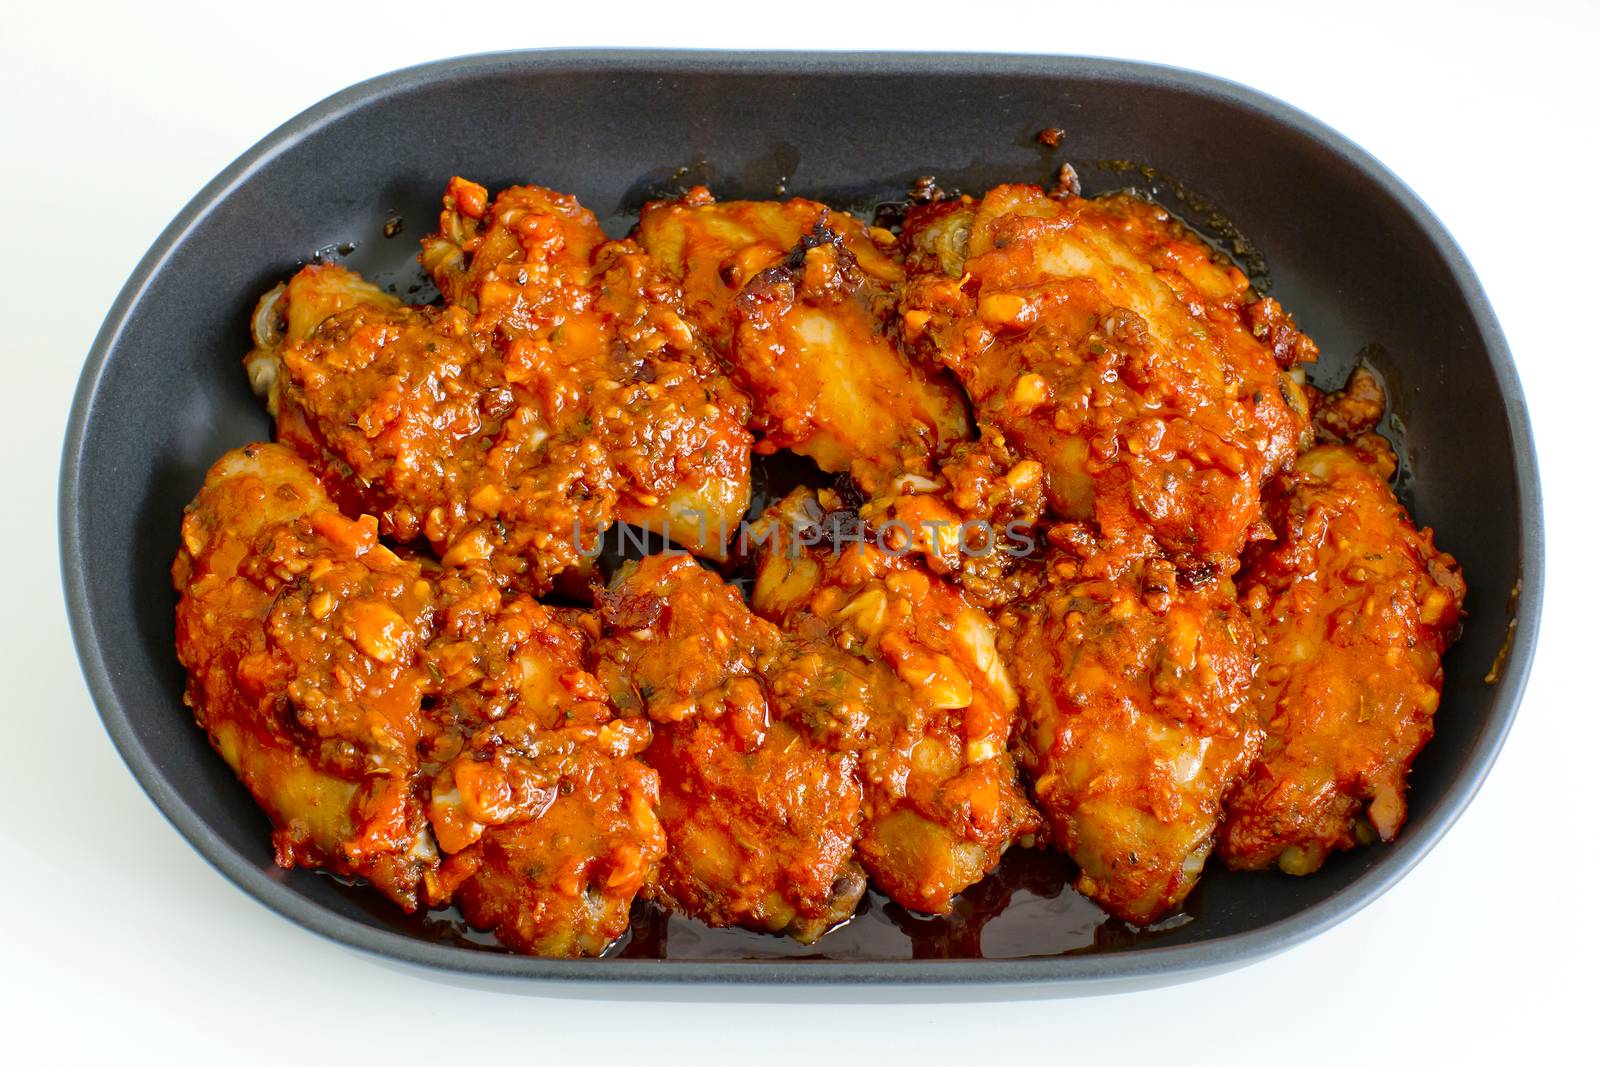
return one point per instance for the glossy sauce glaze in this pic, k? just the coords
(800, 721)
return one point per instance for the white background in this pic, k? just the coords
(119, 940)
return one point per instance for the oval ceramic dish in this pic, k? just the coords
(1358, 259)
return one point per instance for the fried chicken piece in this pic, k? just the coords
(410, 419)
(798, 300)
(546, 819)
(974, 522)
(1354, 606)
(761, 812)
(383, 711)
(1112, 346)
(603, 321)
(941, 801)
(558, 392)
(300, 633)
(291, 310)
(1135, 697)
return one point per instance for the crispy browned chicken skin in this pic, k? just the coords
(1135, 693)
(410, 726)
(798, 299)
(1355, 606)
(557, 391)
(1117, 350)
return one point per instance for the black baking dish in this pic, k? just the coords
(1361, 262)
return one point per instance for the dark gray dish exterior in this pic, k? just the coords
(1348, 248)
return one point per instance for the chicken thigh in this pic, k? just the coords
(761, 810)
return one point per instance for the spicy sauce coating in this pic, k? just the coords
(761, 811)
(557, 391)
(799, 299)
(545, 815)
(1135, 691)
(409, 725)
(976, 521)
(1354, 606)
(941, 800)
(1111, 346)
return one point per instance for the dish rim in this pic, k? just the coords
(1144, 964)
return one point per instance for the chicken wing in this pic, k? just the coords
(761, 812)
(1355, 606)
(300, 633)
(383, 711)
(547, 821)
(672, 425)
(1135, 697)
(1113, 347)
(557, 391)
(941, 800)
(797, 299)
